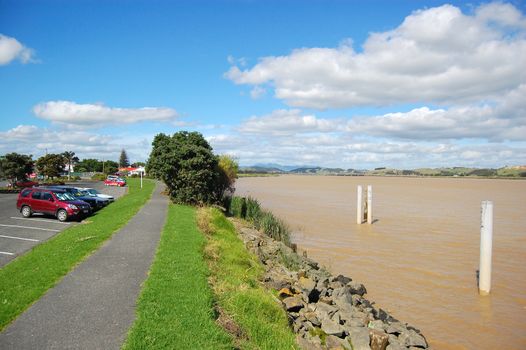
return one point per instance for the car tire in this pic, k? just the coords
(26, 211)
(62, 215)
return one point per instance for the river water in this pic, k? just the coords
(419, 258)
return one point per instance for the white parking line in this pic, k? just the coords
(7, 253)
(42, 220)
(31, 228)
(20, 238)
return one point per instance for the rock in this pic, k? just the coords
(359, 338)
(334, 343)
(377, 324)
(341, 278)
(411, 338)
(342, 296)
(323, 309)
(382, 315)
(284, 293)
(332, 328)
(311, 317)
(394, 344)
(326, 299)
(379, 339)
(308, 287)
(335, 284)
(395, 328)
(293, 304)
(357, 288)
(311, 343)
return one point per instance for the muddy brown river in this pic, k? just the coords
(419, 258)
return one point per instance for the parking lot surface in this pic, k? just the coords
(18, 234)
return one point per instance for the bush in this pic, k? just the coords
(250, 210)
(98, 177)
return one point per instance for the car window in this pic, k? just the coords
(25, 193)
(46, 196)
(36, 195)
(61, 196)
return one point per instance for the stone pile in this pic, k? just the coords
(327, 312)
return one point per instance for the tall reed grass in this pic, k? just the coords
(250, 210)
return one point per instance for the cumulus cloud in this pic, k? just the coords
(11, 49)
(437, 55)
(286, 122)
(94, 115)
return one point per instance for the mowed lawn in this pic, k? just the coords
(25, 279)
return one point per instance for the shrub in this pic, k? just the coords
(237, 207)
(253, 209)
(98, 177)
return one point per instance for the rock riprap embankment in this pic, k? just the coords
(327, 312)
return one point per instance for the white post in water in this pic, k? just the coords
(486, 243)
(369, 204)
(359, 205)
(141, 178)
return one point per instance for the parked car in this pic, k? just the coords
(51, 201)
(115, 182)
(94, 193)
(24, 184)
(94, 202)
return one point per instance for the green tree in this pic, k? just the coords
(110, 167)
(155, 166)
(227, 174)
(138, 164)
(123, 159)
(188, 167)
(51, 165)
(15, 167)
(89, 165)
(71, 160)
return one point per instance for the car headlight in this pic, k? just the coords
(72, 206)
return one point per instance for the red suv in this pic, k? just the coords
(53, 202)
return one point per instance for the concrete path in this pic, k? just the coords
(94, 305)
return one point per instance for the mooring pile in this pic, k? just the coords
(327, 312)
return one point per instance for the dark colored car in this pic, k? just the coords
(53, 202)
(94, 202)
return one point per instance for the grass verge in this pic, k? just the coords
(175, 308)
(235, 280)
(25, 279)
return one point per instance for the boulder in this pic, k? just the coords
(379, 339)
(357, 288)
(377, 324)
(334, 343)
(293, 304)
(312, 318)
(285, 293)
(342, 296)
(310, 343)
(325, 310)
(359, 337)
(342, 279)
(332, 328)
(411, 338)
(395, 328)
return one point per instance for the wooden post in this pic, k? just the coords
(141, 178)
(369, 204)
(486, 243)
(359, 205)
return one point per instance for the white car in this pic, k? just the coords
(94, 193)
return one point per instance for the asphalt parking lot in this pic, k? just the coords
(18, 234)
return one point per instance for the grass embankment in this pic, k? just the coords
(25, 279)
(176, 307)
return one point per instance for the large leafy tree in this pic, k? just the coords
(15, 166)
(89, 165)
(188, 167)
(123, 159)
(227, 173)
(110, 167)
(71, 160)
(51, 165)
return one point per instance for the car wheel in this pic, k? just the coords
(62, 215)
(26, 211)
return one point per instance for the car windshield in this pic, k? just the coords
(92, 191)
(85, 193)
(64, 196)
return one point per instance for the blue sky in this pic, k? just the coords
(353, 84)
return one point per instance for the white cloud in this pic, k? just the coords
(11, 49)
(286, 122)
(94, 115)
(438, 55)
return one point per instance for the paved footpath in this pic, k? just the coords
(94, 305)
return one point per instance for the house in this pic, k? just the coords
(132, 171)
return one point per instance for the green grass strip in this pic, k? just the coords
(236, 275)
(25, 279)
(175, 308)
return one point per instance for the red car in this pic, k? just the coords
(24, 184)
(115, 182)
(53, 202)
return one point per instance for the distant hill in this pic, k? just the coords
(509, 171)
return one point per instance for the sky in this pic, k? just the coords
(349, 84)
